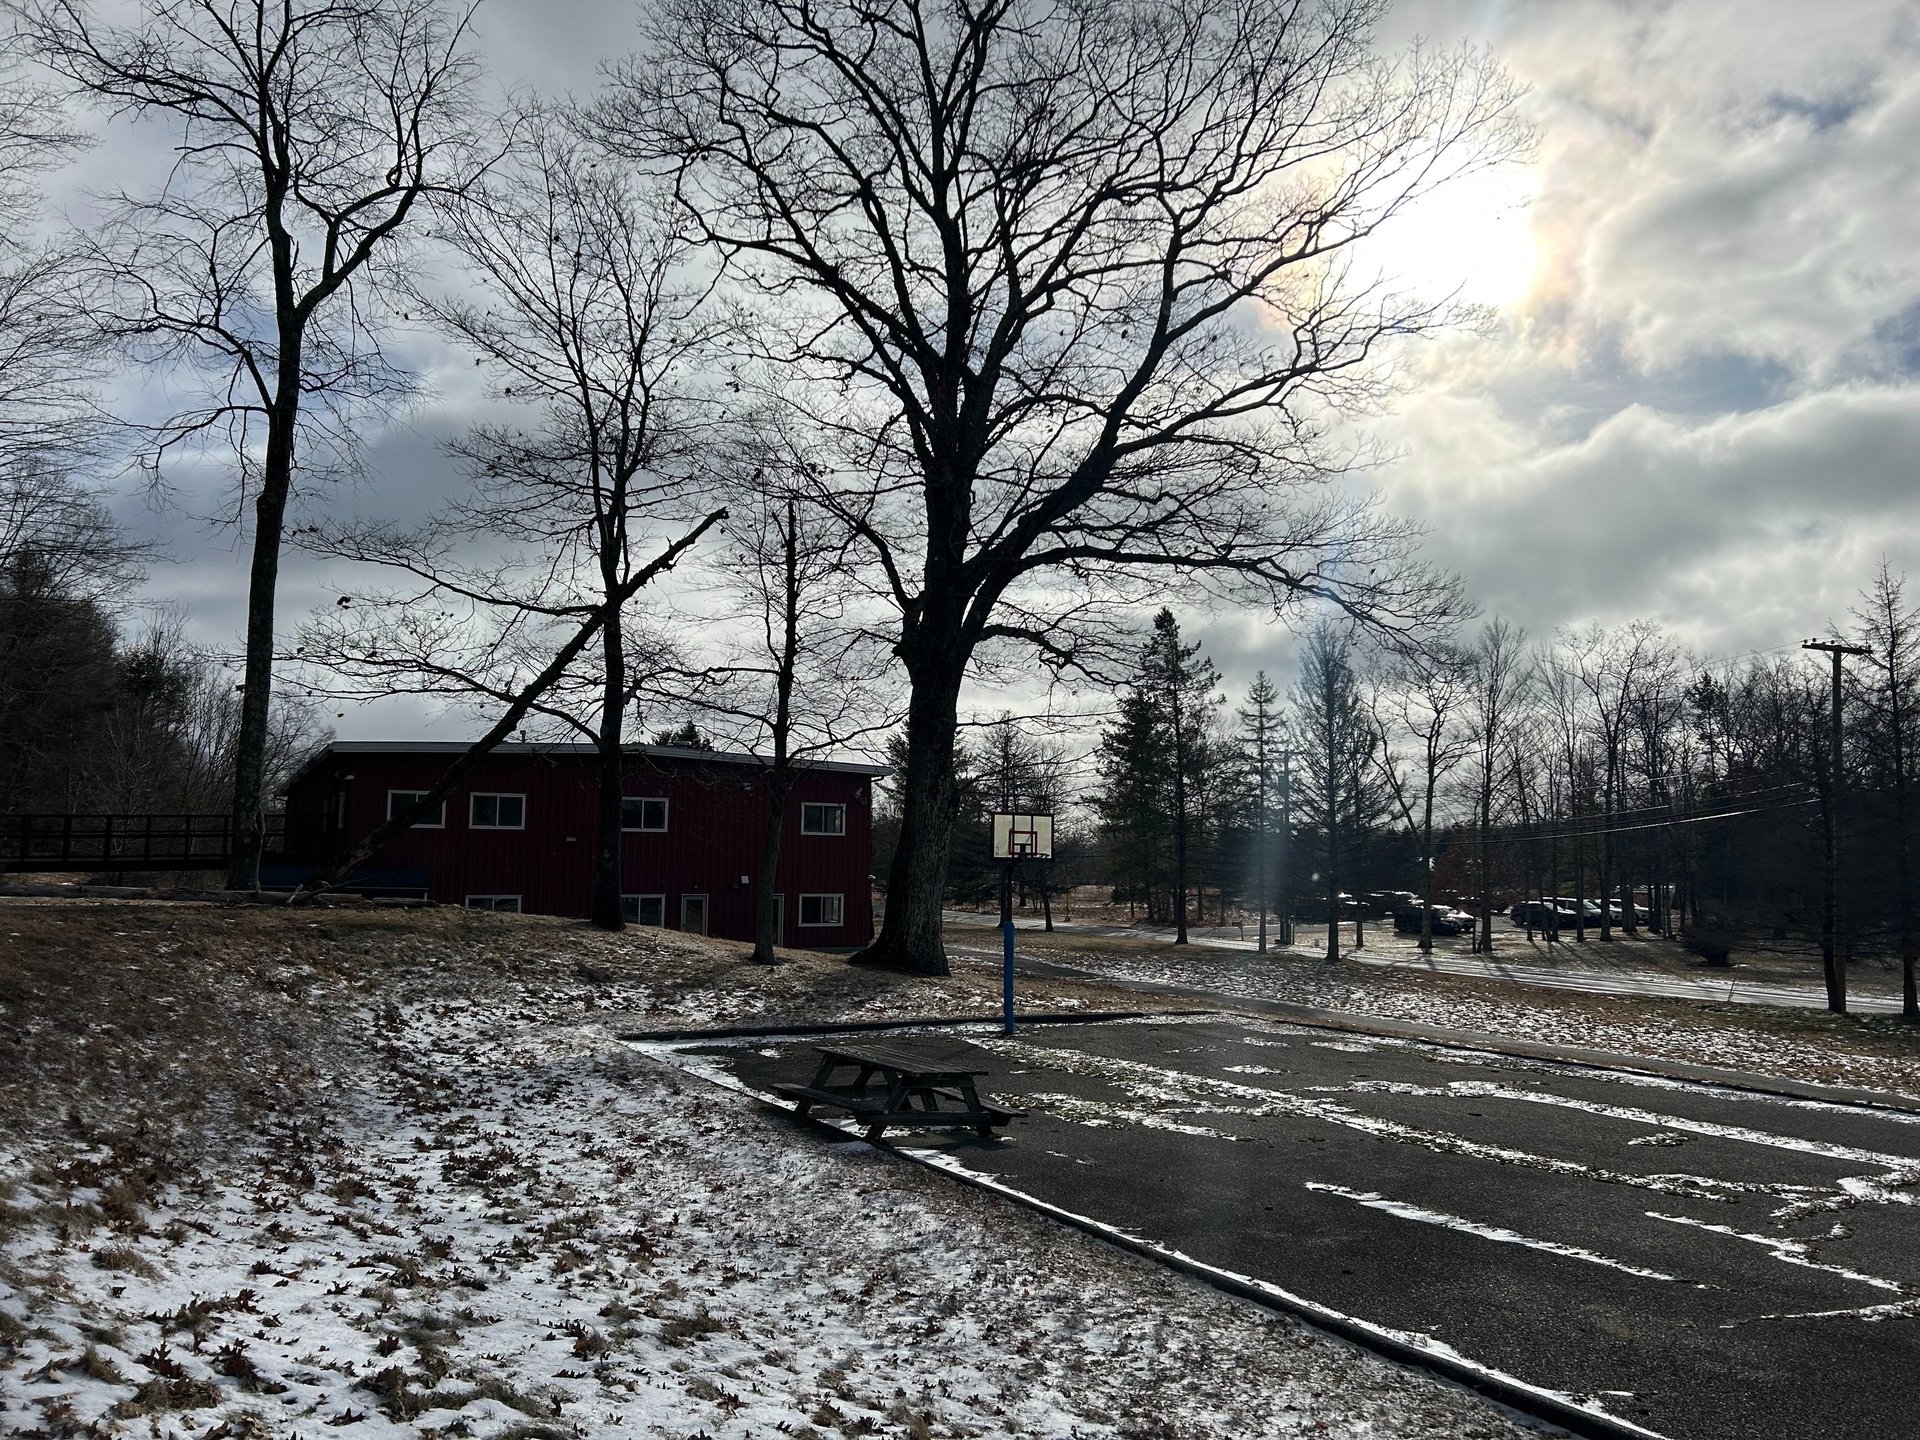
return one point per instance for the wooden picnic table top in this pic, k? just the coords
(893, 1061)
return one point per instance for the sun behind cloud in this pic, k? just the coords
(1471, 238)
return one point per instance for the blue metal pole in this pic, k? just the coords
(1006, 941)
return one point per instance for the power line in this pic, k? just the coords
(1520, 833)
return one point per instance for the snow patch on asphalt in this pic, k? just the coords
(1487, 1090)
(1400, 1209)
(1206, 1095)
(1784, 1249)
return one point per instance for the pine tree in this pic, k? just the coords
(1182, 684)
(1133, 765)
(1262, 746)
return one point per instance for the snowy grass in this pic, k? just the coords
(268, 1173)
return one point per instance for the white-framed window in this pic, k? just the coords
(644, 909)
(496, 811)
(508, 903)
(693, 914)
(397, 798)
(643, 812)
(823, 819)
(823, 909)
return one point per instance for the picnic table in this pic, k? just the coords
(887, 1084)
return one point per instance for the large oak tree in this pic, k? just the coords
(1081, 290)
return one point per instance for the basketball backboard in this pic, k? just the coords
(1022, 837)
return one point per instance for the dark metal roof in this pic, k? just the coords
(571, 747)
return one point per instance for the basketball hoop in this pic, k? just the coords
(1018, 836)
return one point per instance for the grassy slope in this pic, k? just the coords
(388, 1172)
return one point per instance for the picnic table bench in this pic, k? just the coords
(886, 1085)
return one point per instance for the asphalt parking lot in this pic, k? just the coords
(1706, 1263)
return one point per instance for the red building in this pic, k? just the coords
(517, 834)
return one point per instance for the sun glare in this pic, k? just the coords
(1471, 238)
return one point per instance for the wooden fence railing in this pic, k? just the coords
(141, 842)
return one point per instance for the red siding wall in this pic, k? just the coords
(716, 819)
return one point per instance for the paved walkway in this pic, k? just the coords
(1701, 1262)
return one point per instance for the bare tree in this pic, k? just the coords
(306, 134)
(1333, 786)
(1075, 287)
(1561, 697)
(1657, 705)
(1424, 699)
(1890, 629)
(75, 547)
(46, 422)
(1608, 665)
(1497, 684)
(598, 342)
(804, 679)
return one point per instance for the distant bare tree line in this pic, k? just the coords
(1608, 776)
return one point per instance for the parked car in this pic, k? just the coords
(1541, 915)
(1313, 908)
(1389, 902)
(1446, 920)
(1590, 908)
(1641, 915)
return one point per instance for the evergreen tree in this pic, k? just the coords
(1181, 684)
(1131, 803)
(1262, 745)
(686, 736)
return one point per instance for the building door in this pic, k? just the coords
(693, 914)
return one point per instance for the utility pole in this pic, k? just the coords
(1833, 948)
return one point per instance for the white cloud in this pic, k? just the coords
(1697, 409)
(1738, 530)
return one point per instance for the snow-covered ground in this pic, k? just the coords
(262, 1175)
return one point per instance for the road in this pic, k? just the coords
(1720, 985)
(1706, 1263)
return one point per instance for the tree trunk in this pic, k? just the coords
(1426, 858)
(1903, 847)
(605, 912)
(269, 523)
(1606, 852)
(765, 912)
(1179, 845)
(1579, 878)
(1333, 888)
(1485, 929)
(910, 937)
(1262, 877)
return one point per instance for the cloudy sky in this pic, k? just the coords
(1698, 402)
